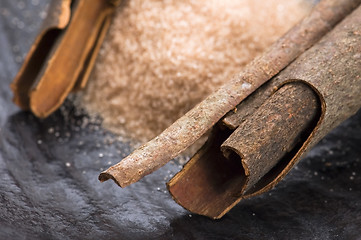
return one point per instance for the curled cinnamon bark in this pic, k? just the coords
(63, 54)
(267, 142)
(186, 130)
(213, 181)
(278, 127)
(57, 20)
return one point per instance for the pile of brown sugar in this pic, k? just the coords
(160, 58)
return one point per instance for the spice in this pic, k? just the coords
(232, 164)
(62, 56)
(269, 141)
(186, 130)
(161, 58)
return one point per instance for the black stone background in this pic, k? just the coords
(49, 169)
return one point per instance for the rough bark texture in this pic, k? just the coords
(186, 130)
(332, 69)
(273, 131)
(211, 182)
(63, 54)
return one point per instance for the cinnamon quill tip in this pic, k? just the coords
(116, 176)
(104, 176)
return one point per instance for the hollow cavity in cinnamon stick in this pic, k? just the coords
(332, 69)
(186, 130)
(56, 21)
(61, 58)
(211, 183)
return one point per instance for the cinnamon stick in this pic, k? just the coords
(62, 56)
(267, 143)
(273, 131)
(213, 180)
(56, 21)
(186, 130)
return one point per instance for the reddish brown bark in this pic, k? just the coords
(63, 54)
(268, 142)
(186, 130)
(212, 182)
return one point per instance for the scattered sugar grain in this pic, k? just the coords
(51, 130)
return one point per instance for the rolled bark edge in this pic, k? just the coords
(187, 129)
(339, 99)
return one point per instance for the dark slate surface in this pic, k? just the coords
(49, 187)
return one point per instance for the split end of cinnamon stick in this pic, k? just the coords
(105, 176)
(119, 176)
(235, 164)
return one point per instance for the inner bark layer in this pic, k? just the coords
(236, 163)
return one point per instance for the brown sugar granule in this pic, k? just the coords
(161, 58)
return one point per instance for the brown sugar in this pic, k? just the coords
(161, 58)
